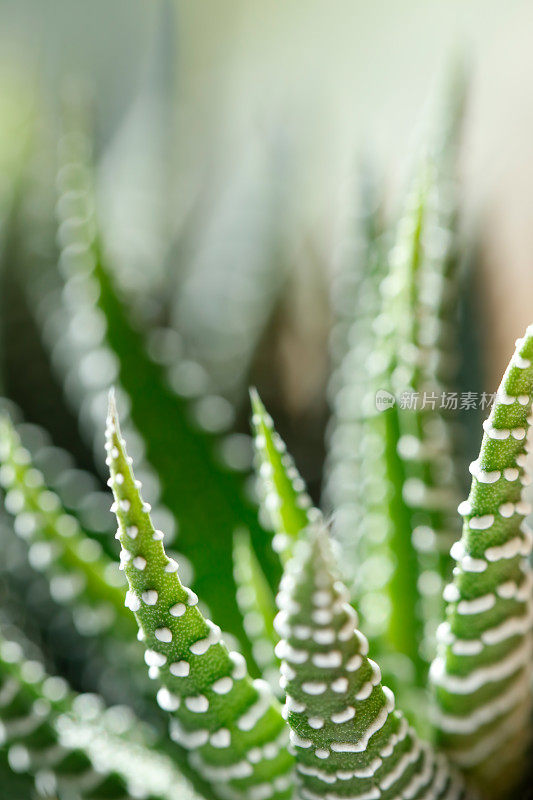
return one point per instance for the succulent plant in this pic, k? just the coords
(233, 642)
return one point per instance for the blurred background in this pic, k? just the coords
(237, 171)
(230, 136)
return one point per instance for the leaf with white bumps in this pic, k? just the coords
(285, 499)
(386, 588)
(80, 573)
(482, 674)
(349, 740)
(63, 740)
(232, 725)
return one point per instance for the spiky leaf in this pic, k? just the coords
(348, 738)
(284, 496)
(79, 571)
(482, 674)
(232, 725)
(386, 590)
(43, 738)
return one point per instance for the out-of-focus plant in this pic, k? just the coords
(388, 473)
(234, 278)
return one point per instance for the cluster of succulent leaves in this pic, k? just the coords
(228, 641)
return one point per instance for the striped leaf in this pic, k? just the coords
(482, 674)
(349, 739)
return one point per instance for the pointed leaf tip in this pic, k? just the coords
(284, 495)
(256, 402)
(112, 412)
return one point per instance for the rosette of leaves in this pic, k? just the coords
(340, 734)
(233, 726)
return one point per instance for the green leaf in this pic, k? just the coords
(228, 721)
(196, 474)
(77, 575)
(258, 607)
(402, 500)
(386, 590)
(80, 575)
(348, 738)
(65, 743)
(482, 674)
(425, 372)
(79, 572)
(392, 477)
(429, 448)
(356, 301)
(283, 493)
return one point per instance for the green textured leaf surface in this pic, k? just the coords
(79, 571)
(482, 674)
(348, 738)
(57, 545)
(229, 722)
